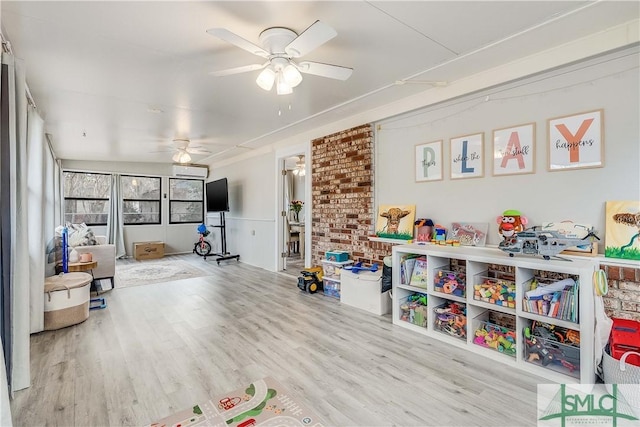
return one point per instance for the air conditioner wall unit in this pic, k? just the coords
(180, 171)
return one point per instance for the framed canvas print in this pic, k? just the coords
(572, 230)
(429, 161)
(622, 236)
(469, 233)
(576, 141)
(467, 156)
(514, 150)
(395, 221)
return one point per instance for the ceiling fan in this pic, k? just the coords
(183, 149)
(282, 47)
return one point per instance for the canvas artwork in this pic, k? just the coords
(396, 221)
(622, 238)
(469, 233)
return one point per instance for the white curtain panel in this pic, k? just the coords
(115, 222)
(36, 183)
(50, 214)
(5, 408)
(19, 275)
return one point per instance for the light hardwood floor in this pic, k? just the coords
(157, 349)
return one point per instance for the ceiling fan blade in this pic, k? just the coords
(325, 70)
(197, 150)
(317, 34)
(228, 36)
(238, 70)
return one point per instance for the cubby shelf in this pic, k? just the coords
(477, 261)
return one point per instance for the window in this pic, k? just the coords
(140, 200)
(186, 201)
(86, 197)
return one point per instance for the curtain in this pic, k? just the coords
(36, 184)
(5, 408)
(50, 214)
(15, 243)
(115, 222)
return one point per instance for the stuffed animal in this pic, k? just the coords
(511, 222)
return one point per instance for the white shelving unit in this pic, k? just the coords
(476, 262)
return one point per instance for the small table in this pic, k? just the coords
(72, 267)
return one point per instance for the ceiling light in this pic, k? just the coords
(282, 87)
(300, 167)
(266, 78)
(181, 157)
(291, 75)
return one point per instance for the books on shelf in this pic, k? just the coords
(419, 276)
(558, 300)
(407, 263)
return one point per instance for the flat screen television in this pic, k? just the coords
(217, 196)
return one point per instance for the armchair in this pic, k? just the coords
(105, 254)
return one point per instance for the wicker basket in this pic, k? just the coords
(627, 377)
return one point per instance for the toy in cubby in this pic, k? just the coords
(497, 336)
(496, 291)
(414, 309)
(553, 347)
(451, 317)
(450, 282)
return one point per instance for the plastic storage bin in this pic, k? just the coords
(451, 318)
(338, 256)
(553, 355)
(331, 269)
(499, 292)
(331, 287)
(495, 332)
(449, 282)
(413, 309)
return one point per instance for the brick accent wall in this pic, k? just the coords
(342, 171)
(623, 298)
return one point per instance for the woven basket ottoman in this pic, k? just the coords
(66, 300)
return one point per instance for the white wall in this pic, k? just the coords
(251, 221)
(609, 83)
(178, 238)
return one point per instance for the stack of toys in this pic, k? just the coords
(496, 291)
(451, 318)
(450, 282)
(496, 336)
(414, 309)
(553, 347)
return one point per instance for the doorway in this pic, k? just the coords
(294, 176)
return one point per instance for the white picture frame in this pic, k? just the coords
(428, 158)
(576, 141)
(467, 156)
(514, 150)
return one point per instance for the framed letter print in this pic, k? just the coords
(467, 156)
(429, 161)
(576, 141)
(513, 150)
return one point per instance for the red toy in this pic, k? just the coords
(625, 336)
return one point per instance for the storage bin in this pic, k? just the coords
(413, 309)
(339, 256)
(363, 290)
(331, 287)
(500, 292)
(552, 355)
(66, 300)
(451, 318)
(495, 332)
(331, 269)
(449, 282)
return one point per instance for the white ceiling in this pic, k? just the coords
(118, 81)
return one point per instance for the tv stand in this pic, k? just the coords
(224, 255)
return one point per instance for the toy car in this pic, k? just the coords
(311, 280)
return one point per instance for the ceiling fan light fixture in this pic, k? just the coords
(181, 157)
(291, 75)
(282, 87)
(266, 79)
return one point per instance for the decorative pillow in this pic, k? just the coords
(79, 235)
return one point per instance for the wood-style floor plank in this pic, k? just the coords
(157, 349)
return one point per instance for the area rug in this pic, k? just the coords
(262, 403)
(146, 273)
